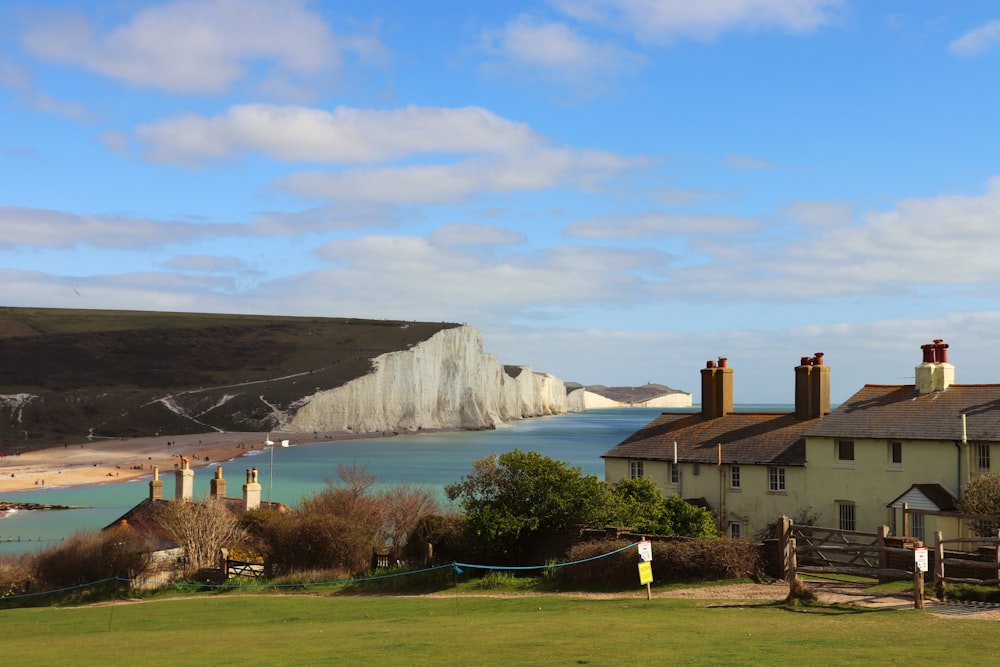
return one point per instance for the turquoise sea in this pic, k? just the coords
(423, 459)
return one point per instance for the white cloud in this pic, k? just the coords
(345, 216)
(474, 234)
(938, 243)
(197, 46)
(530, 171)
(556, 46)
(18, 78)
(597, 259)
(44, 228)
(659, 20)
(654, 224)
(344, 135)
(413, 278)
(978, 40)
(820, 213)
(736, 161)
(205, 264)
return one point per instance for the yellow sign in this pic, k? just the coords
(645, 572)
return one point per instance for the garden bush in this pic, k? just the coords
(687, 560)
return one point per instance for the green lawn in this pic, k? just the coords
(475, 630)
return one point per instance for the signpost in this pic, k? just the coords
(646, 566)
(919, 567)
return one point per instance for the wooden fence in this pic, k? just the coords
(962, 561)
(820, 550)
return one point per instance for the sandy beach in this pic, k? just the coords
(118, 460)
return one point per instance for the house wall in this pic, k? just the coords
(753, 505)
(871, 481)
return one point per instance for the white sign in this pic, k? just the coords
(646, 550)
(920, 557)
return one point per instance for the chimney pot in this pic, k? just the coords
(723, 362)
(928, 353)
(818, 359)
(709, 364)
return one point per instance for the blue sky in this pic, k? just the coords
(613, 191)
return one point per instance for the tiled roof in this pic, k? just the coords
(746, 437)
(900, 412)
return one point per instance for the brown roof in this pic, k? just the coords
(900, 411)
(746, 437)
(935, 493)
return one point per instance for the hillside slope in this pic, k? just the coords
(65, 374)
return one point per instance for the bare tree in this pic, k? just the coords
(402, 507)
(357, 478)
(201, 528)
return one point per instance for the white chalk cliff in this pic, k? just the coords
(444, 382)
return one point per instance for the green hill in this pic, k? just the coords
(66, 373)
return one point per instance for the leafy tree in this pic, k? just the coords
(509, 498)
(982, 496)
(640, 504)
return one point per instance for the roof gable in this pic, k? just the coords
(931, 497)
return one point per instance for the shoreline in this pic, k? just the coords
(110, 460)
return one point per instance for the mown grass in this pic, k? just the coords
(451, 629)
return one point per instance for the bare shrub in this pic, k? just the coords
(341, 526)
(613, 572)
(17, 575)
(201, 528)
(706, 560)
(698, 559)
(93, 556)
(402, 507)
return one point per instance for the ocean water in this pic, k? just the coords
(424, 459)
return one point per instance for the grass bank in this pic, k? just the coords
(301, 629)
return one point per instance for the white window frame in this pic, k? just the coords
(776, 479)
(734, 477)
(635, 469)
(847, 515)
(893, 446)
(735, 530)
(917, 526)
(839, 446)
(675, 473)
(983, 457)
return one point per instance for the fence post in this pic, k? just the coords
(784, 533)
(880, 535)
(997, 554)
(793, 568)
(938, 559)
(918, 582)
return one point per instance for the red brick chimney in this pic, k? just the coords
(716, 389)
(812, 388)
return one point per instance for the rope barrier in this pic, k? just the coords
(455, 565)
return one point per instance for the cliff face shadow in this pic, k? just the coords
(74, 371)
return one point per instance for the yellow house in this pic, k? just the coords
(893, 445)
(747, 467)
(891, 454)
